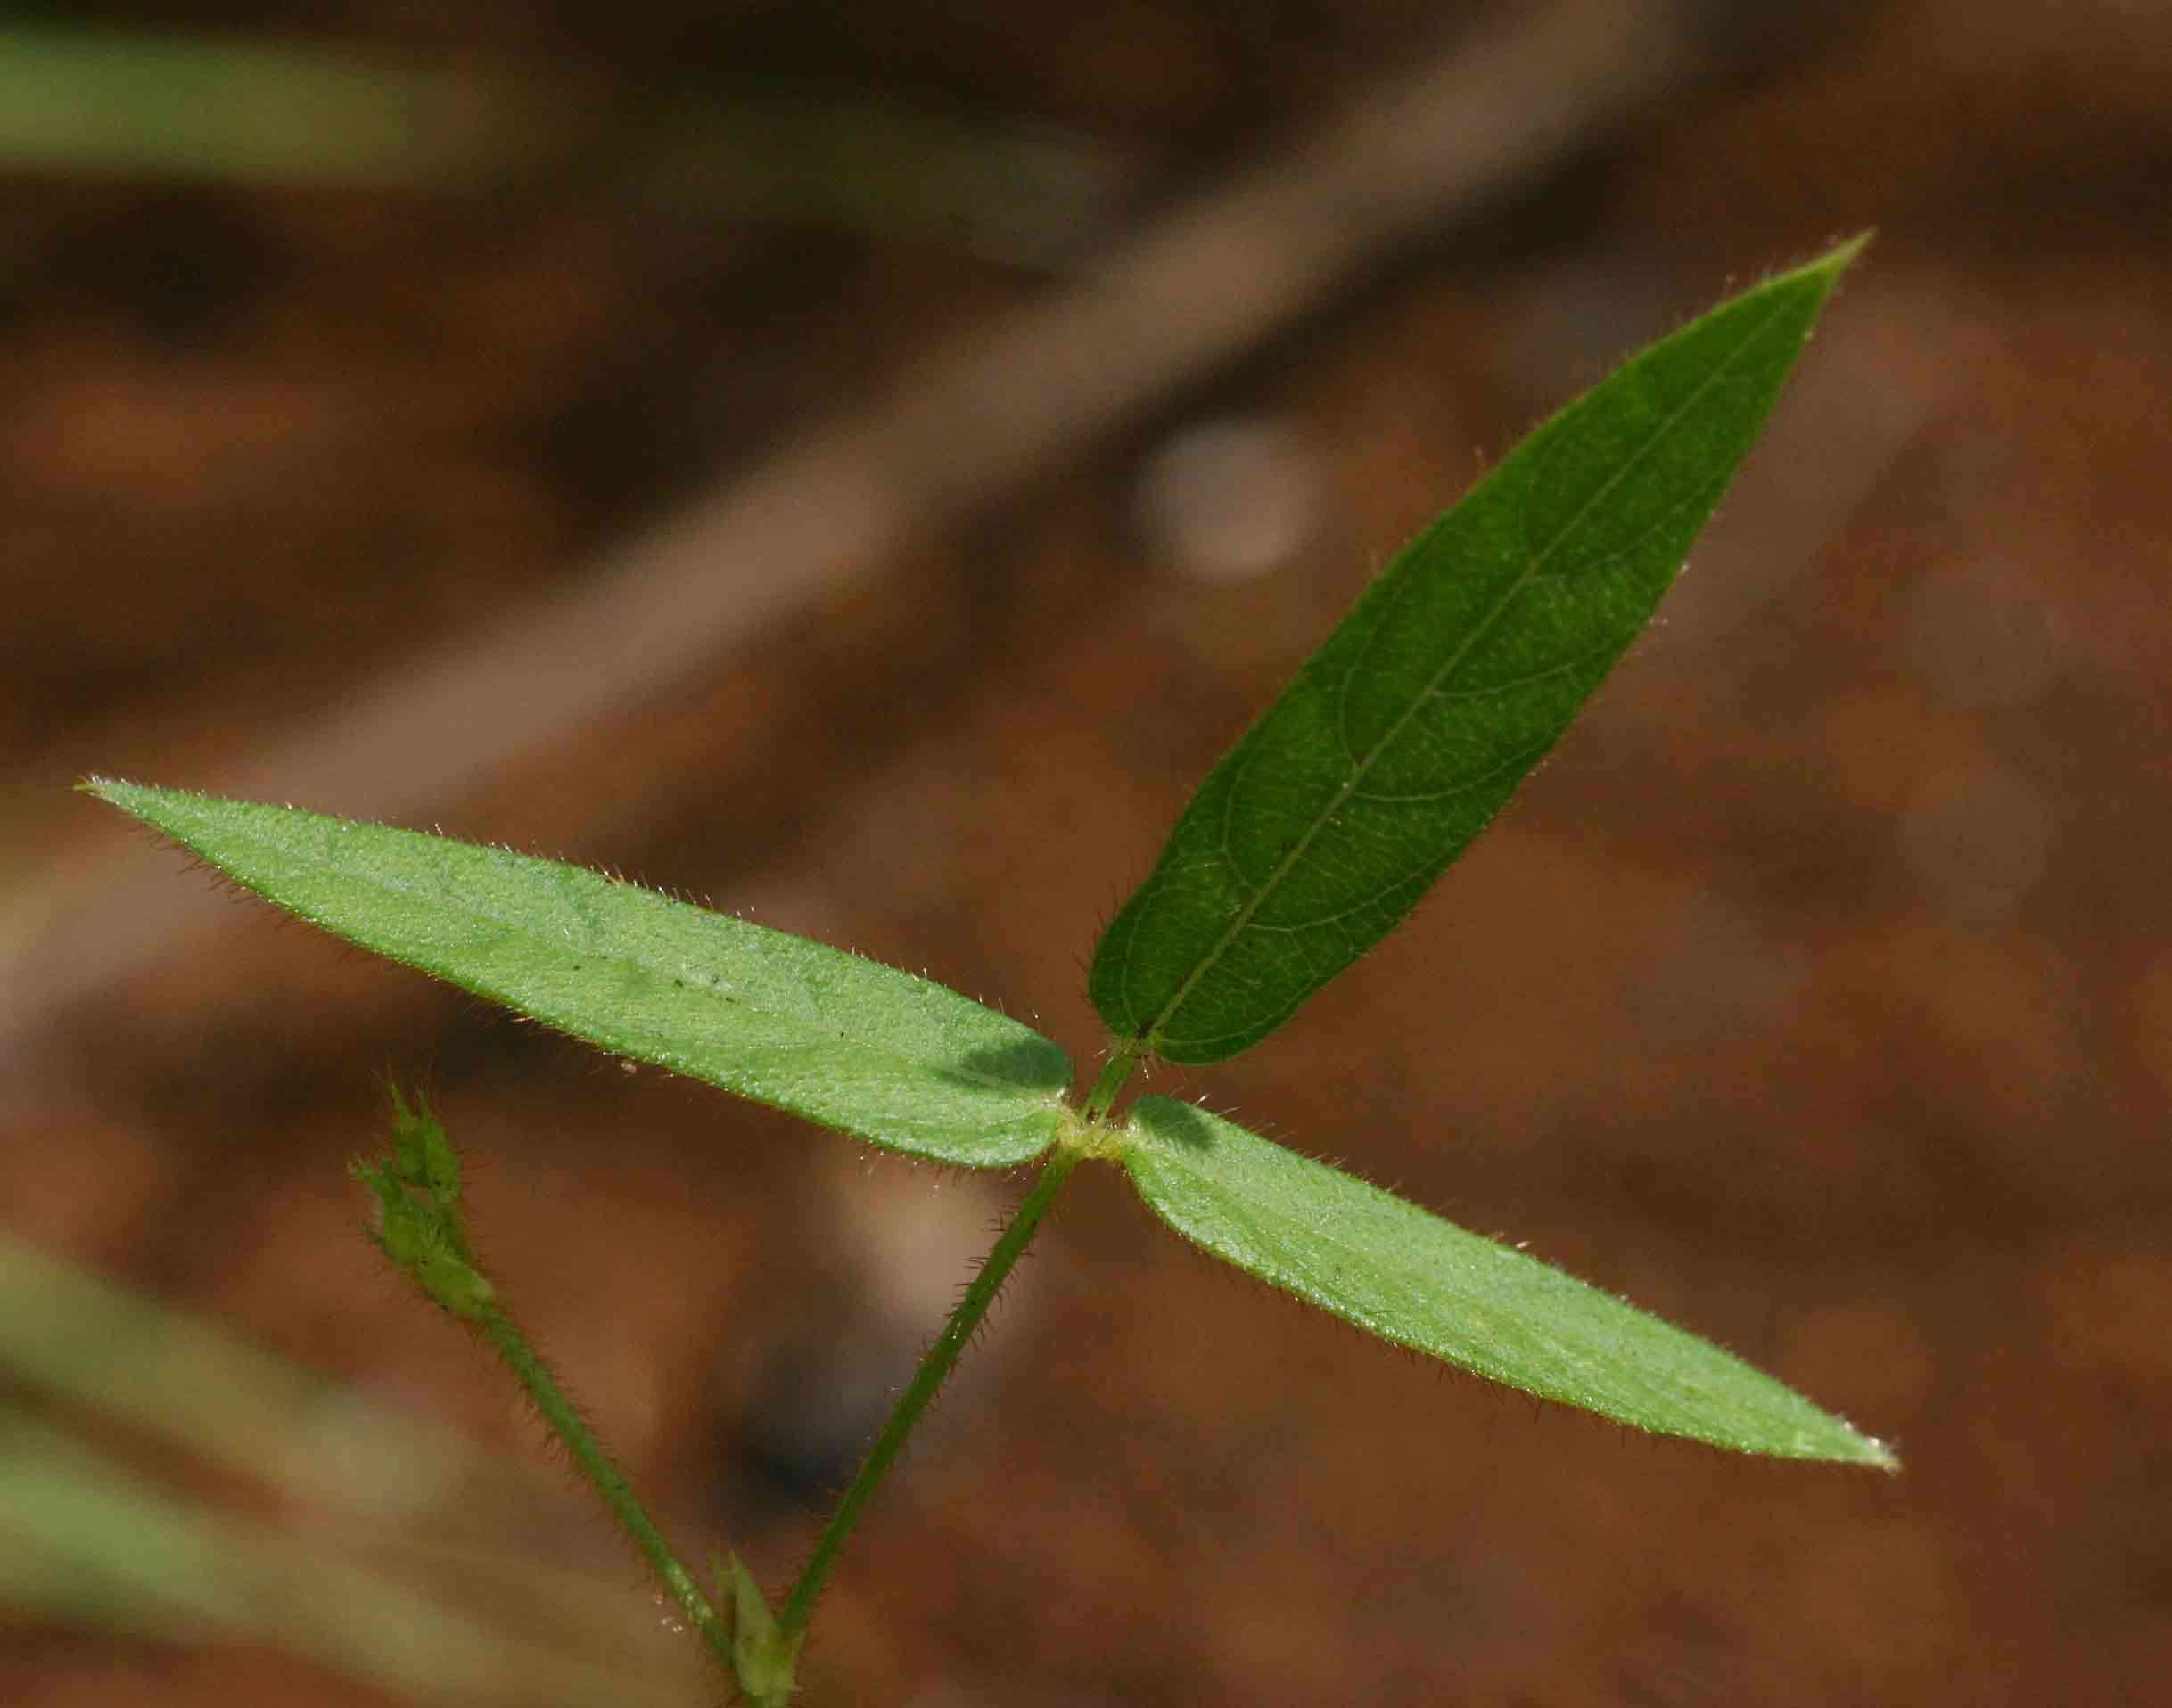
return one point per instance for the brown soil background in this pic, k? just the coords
(1817, 995)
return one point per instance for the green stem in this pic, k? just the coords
(935, 1365)
(595, 1464)
(1117, 1069)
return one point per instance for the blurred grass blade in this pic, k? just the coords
(1022, 194)
(414, 1499)
(201, 106)
(868, 1049)
(174, 1375)
(1458, 669)
(84, 1539)
(1399, 1272)
(226, 108)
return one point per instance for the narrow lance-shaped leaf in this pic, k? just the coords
(1451, 676)
(1403, 1274)
(862, 1047)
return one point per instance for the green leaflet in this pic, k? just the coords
(1458, 669)
(861, 1048)
(1396, 1271)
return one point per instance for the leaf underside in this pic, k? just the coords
(864, 1049)
(1459, 668)
(1397, 1271)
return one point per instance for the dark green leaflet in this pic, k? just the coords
(1453, 674)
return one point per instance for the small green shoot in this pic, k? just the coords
(1389, 752)
(420, 1229)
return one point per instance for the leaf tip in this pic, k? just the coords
(1840, 1442)
(118, 792)
(1878, 1456)
(1828, 266)
(1843, 254)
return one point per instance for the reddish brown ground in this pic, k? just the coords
(1818, 997)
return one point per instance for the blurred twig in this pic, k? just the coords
(1187, 294)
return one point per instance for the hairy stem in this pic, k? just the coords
(935, 1366)
(1114, 1074)
(602, 1473)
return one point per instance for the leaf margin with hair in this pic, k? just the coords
(848, 1043)
(1277, 876)
(1441, 1290)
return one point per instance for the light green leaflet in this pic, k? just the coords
(1449, 678)
(1367, 1257)
(862, 1047)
